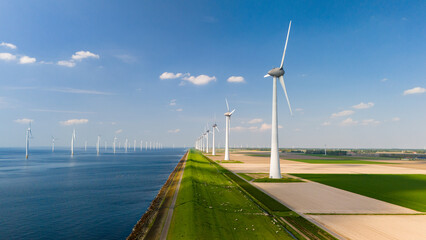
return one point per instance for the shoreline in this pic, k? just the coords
(157, 210)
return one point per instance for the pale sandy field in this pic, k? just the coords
(311, 197)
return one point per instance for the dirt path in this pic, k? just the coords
(166, 226)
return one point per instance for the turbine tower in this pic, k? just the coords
(213, 146)
(207, 140)
(27, 140)
(274, 168)
(125, 145)
(228, 123)
(53, 143)
(72, 142)
(141, 146)
(113, 143)
(134, 146)
(98, 143)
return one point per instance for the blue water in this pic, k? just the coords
(55, 196)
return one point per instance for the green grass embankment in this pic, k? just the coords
(210, 206)
(407, 190)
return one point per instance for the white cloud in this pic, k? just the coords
(342, 113)
(416, 90)
(236, 79)
(299, 110)
(255, 120)
(174, 130)
(363, 105)
(74, 122)
(172, 102)
(26, 59)
(297, 129)
(266, 126)
(168, 75)
(119, 131)
(200, 79)
(326, 123)
(369, 122)
(179, 110)
(7, 56)
(84, 54)
(8, 45)
(66, 63)
(384, 79)
(348, 122)
(238, 128)
(24, 120)
(396, 119)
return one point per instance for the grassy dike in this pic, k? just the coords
(214, 203)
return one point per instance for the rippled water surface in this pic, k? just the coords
(56, 196)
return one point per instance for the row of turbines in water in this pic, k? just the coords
(116, 145)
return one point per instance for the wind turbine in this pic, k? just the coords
(274, 168)
(53, 143)
(207, 140)
(213, 146)
(228, 123)
(72, 142)
(141, 146)
(125, 145)
(113, 143)
(98, 143)
(27, 140)
(134, 146)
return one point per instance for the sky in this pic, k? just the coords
(161, 70)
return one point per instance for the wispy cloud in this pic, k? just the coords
(169, 75)
(119, 131)
(8, 45)
(77, 57)
(174, 130)
(416, 90)
(327, 123)
(74, 122)
(172, 102)
(24, 120)
(369, 122)
(396, 119)
(179, 110)
(349, 122)
(126, 58)
(342, 113)
(26, 60)
(236, 79)
(7, 57)
(384, 79)
(197, 80)
(200, 79)
(66, 63)
(363, 105)
(255, 120)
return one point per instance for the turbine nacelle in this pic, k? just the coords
(275, 72)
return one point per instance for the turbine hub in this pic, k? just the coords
(228, 114)
(276, 72)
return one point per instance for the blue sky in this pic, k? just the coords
(355, 71)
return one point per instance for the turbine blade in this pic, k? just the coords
(227, 105)
(217, 128)
(285, 46)
(267, 75)
(232, 112)
(285, 91)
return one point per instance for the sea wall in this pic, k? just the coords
(143, 226)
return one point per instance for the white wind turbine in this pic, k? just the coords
(274, 169)
(72, 142)
(134, 146)
(53, 143)
(28, 134)
(228, 123)
(207, 140)
(213, 143)
(125, 145)
(113, 143)
(141, 146)
(98, 143)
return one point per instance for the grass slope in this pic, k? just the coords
(209, 206)
(408, 190)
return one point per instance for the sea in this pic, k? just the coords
(53, 195)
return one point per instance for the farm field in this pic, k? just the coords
(407, 190)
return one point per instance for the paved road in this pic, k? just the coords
(166, 227)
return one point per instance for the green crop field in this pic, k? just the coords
(210, 206)
(407, 190)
